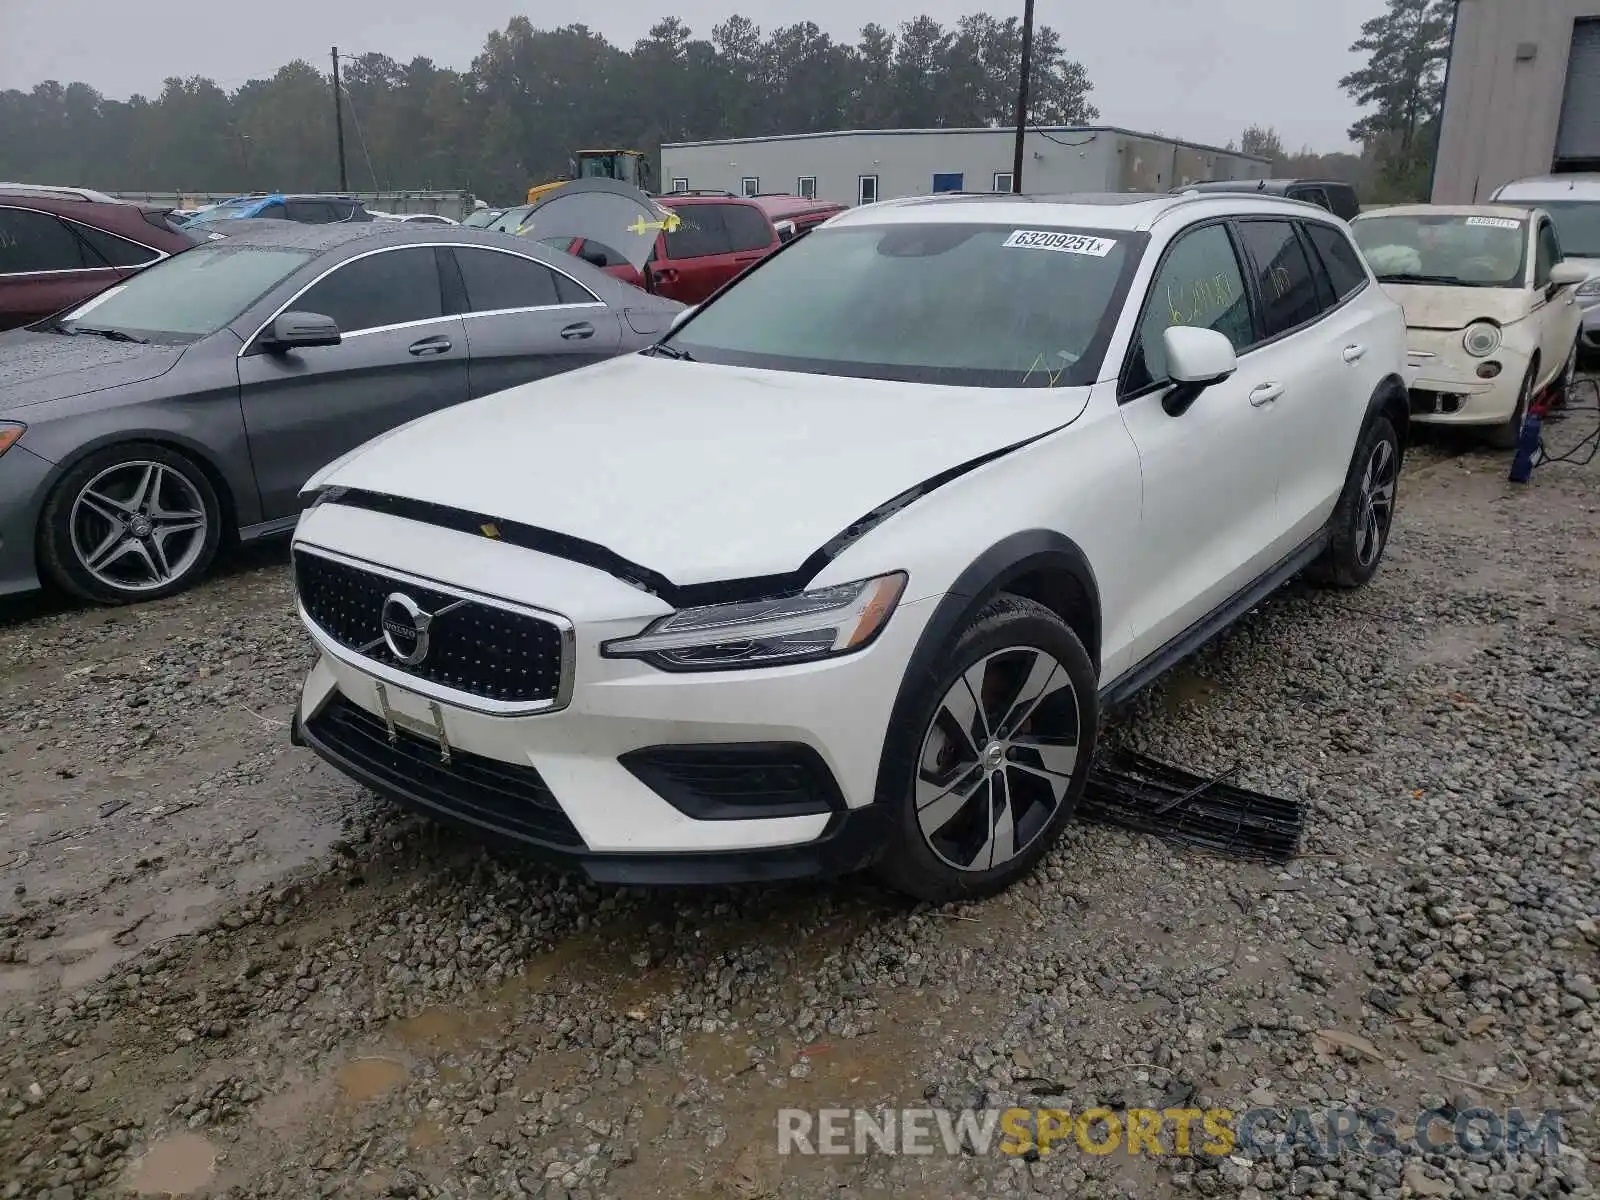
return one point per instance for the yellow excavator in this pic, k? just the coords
(627, 166)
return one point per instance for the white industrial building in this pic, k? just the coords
(863, 165)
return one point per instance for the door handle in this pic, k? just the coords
(1265, 393)
(1354, 353)
(667, 273)
(578, 332)
(430, 345)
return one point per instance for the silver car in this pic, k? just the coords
(1573, 202)
(183, 408)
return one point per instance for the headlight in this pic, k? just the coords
(1590, 287)
(10, 431)
(1481, 339)
(766, 633)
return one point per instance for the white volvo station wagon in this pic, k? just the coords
(844, 571)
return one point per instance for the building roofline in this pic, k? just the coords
(1048, 130)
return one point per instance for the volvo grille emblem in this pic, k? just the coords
(405, 628)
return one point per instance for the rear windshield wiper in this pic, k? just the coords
(667, 351)
(113, 335)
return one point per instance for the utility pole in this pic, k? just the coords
(338, 114)
(1022, 95)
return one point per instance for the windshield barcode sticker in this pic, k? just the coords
(1061, 243)
(1495, 222)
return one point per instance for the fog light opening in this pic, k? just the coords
(1488, 370)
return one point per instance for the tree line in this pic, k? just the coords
(534, 95)
(528, 100)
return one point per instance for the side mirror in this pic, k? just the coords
(1196, 360)
(300, 330)
(1567, 274)
(680, 317)
(785, 231)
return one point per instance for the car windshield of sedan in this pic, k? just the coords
(1448, 250)
(189, 295)
(223, 212)
(962, 304)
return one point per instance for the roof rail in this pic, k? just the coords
(62, 193)
(702, 192)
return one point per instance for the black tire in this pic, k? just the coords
(1562, 387)
(1505, 437)
(1352, 557)
(177, 539)
(1010, 638)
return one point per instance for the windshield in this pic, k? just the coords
(962, 304)
(511, 220)
(223, 212)
(189, 295)
(1459, 251)
(1577, 224)
(483, 217)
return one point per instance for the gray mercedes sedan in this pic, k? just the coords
(182, 409)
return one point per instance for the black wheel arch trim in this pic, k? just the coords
(1008, 560)
(228, 496)
(602, 558)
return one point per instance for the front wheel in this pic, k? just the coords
(134, 522)
(1505, 437)
(1365, 514)
(1002, 740)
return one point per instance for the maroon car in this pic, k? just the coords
(59, 246)
(719, 236)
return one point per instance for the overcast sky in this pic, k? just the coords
(1195, 69)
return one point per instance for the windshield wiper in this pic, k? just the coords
(667, 351)
(1447, 280)
(114, 335)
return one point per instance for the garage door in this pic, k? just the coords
(1579, 136)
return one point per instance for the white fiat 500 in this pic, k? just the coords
(1491, 308)
(844, 571)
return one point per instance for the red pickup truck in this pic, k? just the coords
(717, 237)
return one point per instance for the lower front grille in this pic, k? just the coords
(738, 781)
(506, 798)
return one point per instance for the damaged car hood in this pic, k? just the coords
(699, 473)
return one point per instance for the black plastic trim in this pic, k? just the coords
(849, 842)
(1144, 673)
(662, 770)
(990, 573)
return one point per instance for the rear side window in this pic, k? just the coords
(35, 241)
(498, 281)
(1199, 285)
(700, 232)
(1284, 281)
(1340, 259)
(389, 288)
(570, 291)
(748, 227)
(1314, 196)
(118, 252)
(310, 212)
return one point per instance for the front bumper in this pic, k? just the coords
(1445, 386)
(24, 484)
(566, 783)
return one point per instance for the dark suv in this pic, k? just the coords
(1337, 197)
(59, 246)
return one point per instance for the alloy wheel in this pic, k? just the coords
(1377, 503)
(137, 526)
(997, 758)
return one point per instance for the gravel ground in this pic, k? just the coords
(225, 971)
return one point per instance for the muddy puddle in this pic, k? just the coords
(179, 1165)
